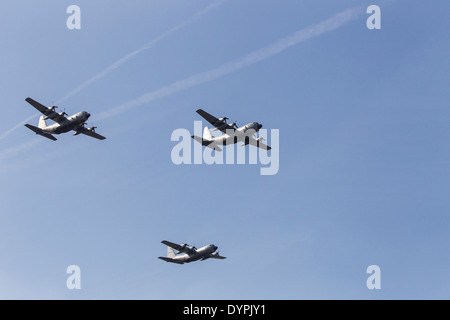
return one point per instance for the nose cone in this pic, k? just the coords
(215, 247)
(259, 126)
(88, 115)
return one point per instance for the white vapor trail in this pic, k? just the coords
(6, 133)
(149, 45)
(5, 155)
(8, 153)
(125, 59)
(275, 48)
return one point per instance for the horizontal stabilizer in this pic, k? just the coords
(217, 148)
(40, 132)
(207, 143)
(198, 139)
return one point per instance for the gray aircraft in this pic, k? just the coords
(76, 122)
(232, 133)
(188, 254)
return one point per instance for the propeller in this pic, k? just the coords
(52, 109)
(234, 125)
(52, 106)
(92, 128)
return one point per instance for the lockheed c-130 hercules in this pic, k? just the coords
(76, 122)
(231, 133)
(188, 254)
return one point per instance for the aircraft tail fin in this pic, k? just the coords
(170, 252)
(42, 124)
(207, 134)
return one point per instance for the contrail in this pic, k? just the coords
(125, 59)
(5, 155)
(7, 133)
(149, 45)
(275, 48)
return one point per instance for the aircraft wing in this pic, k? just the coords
(257, 143)
(50, 114)
(178, 247)
(219, 124)
(89, 132)
(217, 256)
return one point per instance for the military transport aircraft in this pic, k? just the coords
(232, 133)
(188, 254)
(63, 124)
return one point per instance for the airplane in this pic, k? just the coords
(188, 254)
(232, 133)
(63, 124)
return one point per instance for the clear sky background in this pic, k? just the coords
(364, 151)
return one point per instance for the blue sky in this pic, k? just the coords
(364, 151)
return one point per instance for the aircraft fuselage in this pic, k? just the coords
(200, 254)
(233, 136)
(72, 123)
